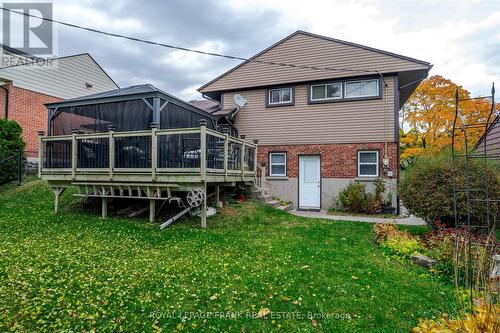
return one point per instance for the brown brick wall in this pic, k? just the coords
(28, 109)
(337, 160)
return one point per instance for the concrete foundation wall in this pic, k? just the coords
(288, 188)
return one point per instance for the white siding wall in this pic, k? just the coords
(65, 79)
(303, 123)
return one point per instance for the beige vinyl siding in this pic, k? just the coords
(303, 123)
(492, 141)
(309, 50)
(65, 79)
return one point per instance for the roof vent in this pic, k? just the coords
(88, 85)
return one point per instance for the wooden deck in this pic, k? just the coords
(149, 164)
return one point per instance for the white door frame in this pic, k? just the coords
(313, 203)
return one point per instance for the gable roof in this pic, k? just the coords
(66, 77)
(307, 49)
(16, 53)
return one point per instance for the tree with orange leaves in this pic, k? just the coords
(430, 112)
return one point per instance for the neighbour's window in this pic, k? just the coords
(280, 96)
(361, 88)
(277, 164)
(367, 163)
(327, 91)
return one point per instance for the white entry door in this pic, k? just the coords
(309, 182)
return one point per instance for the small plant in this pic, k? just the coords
(383, 231)
(355, 199)
(484, 318)
(395, 241)
(377, 201)
(402, 244)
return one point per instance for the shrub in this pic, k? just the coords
(484, 318)
(395, 241)
(355, 199)
(402, 244)
(426, 189)
(377, 200)
(384, 231)
(11, 143)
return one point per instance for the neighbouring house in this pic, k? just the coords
(27, 84)
(320, 128)
(489, 143)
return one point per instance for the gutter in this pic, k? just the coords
(6, 106)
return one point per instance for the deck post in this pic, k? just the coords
(242, 157)
(111, 158)
(263, 171)
(152, 210)
(218, 203)
(40, 153)
(256, 143)
(104, 207)
(74, 152)
(58, 191)
(154, 150)
(226, 149)
(203, 149)
(203, 213)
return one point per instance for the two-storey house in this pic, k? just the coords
(325, 112)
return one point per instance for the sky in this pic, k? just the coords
(460, 38)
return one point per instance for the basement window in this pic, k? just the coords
(277, 164)
(367, 163)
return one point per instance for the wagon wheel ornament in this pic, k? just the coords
(195, 198)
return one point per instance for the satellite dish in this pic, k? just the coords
(239, 100)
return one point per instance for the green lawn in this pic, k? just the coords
(73, 271)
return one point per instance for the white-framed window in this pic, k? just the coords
(368, 163)
(280, 96)
(326, 91)
(362, 88)
(277, 164)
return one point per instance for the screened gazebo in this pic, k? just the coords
(139, 142)
(127, 109)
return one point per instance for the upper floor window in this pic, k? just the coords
(368, 163)
(326, 91)
(361, 88)
(280, 96)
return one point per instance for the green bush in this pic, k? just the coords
(354, 198)
(11, 143)
(402, 245)
(426, 189)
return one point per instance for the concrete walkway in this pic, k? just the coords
(411, 220)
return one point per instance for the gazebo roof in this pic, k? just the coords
(142, 91)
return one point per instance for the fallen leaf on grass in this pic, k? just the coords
(263, 312)
(314, 323)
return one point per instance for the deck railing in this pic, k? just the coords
(184, 150)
